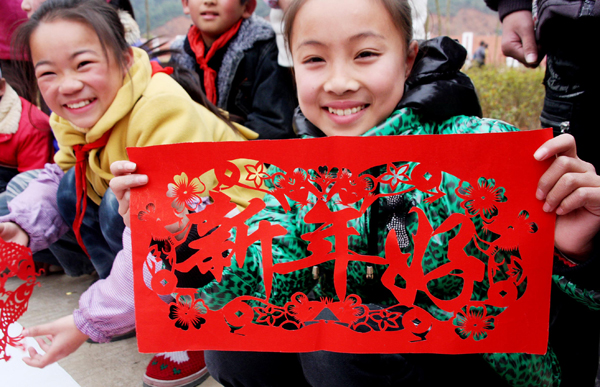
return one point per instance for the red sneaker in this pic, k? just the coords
(176, 369)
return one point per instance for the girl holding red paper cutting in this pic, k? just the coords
(345, 54)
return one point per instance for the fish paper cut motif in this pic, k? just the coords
(15, 261)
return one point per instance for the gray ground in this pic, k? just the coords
(93, 365)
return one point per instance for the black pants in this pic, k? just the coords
(329, 369)
(572, 83)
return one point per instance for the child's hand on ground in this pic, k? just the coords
(571, 188)
(63, 336)
(12, 232)
(122, 183)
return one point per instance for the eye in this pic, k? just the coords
(314, 59)
(83, 63)
(366, 54)
(42, 74)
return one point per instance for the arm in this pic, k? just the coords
(518, 39)
(571, 189)
(63, 336)
(35, 138)
(35, 149)
(35, 210)
(273, 97)
(106, 309)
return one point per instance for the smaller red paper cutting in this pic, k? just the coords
(368, 245)
(15, 261)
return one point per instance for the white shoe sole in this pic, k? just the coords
(189, 381)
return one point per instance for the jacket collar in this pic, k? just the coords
(10, 111)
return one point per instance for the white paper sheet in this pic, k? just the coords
(15, 373)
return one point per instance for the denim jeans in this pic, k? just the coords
(101, 231)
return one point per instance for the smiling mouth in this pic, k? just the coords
(346, 112)
(80, 104)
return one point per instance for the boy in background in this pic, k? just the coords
(235, 55)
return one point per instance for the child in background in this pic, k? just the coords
(345, 54)
(278, 7)
(235, 56)
(25, 137)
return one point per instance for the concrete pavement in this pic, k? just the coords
(92, 365)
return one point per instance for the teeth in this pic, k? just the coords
(346, 112)
(79, 104)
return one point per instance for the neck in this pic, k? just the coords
(207, 41)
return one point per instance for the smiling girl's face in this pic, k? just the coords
(77, 78)
(350, 63)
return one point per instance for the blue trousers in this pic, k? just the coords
(101, 231)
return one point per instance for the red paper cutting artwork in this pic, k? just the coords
(367, 245)
(15, 261)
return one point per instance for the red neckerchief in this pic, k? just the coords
(197, 44)
(81, 155)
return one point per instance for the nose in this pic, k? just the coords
(340, 80)
(69, 84)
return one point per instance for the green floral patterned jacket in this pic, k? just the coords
(516, 369)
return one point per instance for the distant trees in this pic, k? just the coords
(455, 5)
(161, 11)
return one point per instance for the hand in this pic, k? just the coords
(12, 232)
(571, 188)
(63, 336)
(518, 38)
(122, 183)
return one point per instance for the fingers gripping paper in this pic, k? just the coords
(369, 245)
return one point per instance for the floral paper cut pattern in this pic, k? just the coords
(378, 253)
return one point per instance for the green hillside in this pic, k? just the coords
(161, 11)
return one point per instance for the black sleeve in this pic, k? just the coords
(505, 7)
(273, 97)
(585, 274)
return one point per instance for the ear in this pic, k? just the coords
(411, 56)
(129, 58)
(249, 8)
(186, 7)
